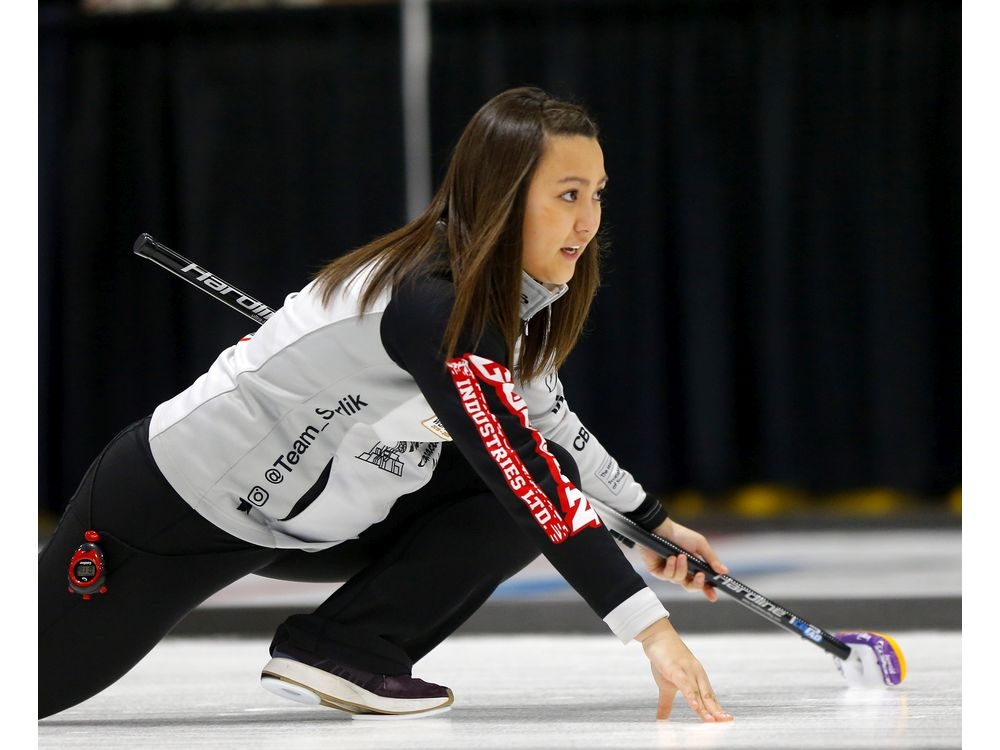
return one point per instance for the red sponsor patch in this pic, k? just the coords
(466, 372)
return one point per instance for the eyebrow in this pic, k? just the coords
(584, 180)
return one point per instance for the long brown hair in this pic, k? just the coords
(481, 204)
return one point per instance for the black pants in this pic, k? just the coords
(411, 579)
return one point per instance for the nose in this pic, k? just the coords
(588, 219)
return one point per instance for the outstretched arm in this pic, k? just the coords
(474, 396)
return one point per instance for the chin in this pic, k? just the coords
(565, 278)
(563, 275)
(557, 280)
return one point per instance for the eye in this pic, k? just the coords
(570, 196)
(599, 196)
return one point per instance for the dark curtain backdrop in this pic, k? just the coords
(782, 294)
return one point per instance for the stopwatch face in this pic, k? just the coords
(84, 570)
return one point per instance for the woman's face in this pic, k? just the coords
(563, 210)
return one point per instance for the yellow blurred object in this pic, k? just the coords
(955, 500)
(877, 502)
(766, 500)
(685, 504)
(773, 501)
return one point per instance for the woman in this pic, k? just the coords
(398, 425)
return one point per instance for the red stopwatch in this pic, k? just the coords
(86, 568)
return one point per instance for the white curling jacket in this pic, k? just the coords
(306, 432)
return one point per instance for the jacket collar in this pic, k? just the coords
(535, 296)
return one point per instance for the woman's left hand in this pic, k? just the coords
(675, 569)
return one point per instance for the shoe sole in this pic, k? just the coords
(311, 686)
(404, 717)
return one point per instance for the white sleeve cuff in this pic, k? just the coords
(635, 614)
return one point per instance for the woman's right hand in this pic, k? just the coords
(675, 669)
(675, 568)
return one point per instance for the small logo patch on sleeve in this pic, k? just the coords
(434, 424)
(612, 475)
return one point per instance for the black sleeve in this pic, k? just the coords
(649, 514)
(474, 398)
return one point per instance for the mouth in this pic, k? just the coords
(571, 250)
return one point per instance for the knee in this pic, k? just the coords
(486, 534)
